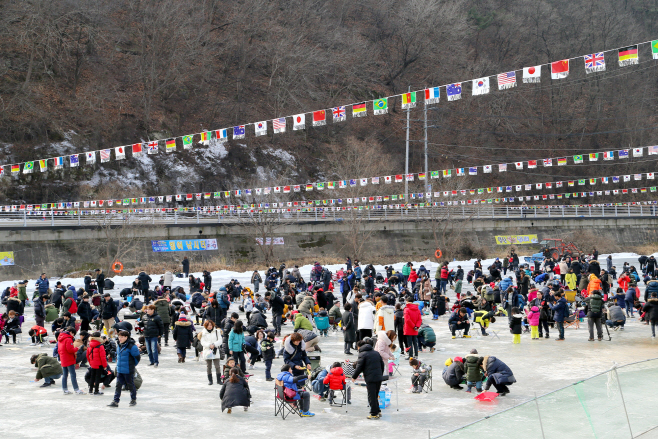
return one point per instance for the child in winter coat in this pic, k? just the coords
(516, 324)
(473, 371)
(97, 358)
(336, 380)
(419, 375)
(267, 348)
(533, 321)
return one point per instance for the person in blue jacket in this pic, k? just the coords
(127, 358)
(560, 312)
(290, 382)
(236, 345)
(43, 284)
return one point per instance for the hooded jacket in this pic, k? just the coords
(427, 333)
(453, 374)
(651, 308)
(594, 283)
(497, 371)
(382, 346)
(235, 394)
(308, 305)
(66, 350)
(533, 316)
(144, 280)
(349, 330)
(516, 324)
(560, 310)
(295, 355)
(14, 304)
(384, 319)
(472, 368)
(412, 319)
(108, 309)
(164, 310)
(153, 326)
(183, 333)
(366, 315)
(96, 355)
(47, 366)
(257, 319)
(369, 363)
(210, 338)
(127, 357)
(335, 378)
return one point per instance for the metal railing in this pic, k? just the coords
(54, 218)
(617, 403)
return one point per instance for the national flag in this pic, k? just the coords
(604, 180)
(549, 185)
(153, 147)
(623, 153)
(105, 155)
(91, 157)
(43, 164)
(652, 150)
(460, 172)
(28, 167)
(548, 162)
(137, 149)
(388, 179)
(221, 135)
(380, 106)
(643, 190)
(506, 80)
(608, 155)
(299, 122)
(279, 125)
(560, 69)
(594, 157)
(59, 162)
(577, 159)
(189, 197)
(581, 182)
(75, 160)
(205, 137)
(410, 177)
(532, 164)
(319, 186)
(637, 152)
(408, 100)
(486, 169)
(654, 49)
(447, 173)
(375, 180)
(260, 128)
(434, 174)
(532, 74)
(286, 189)
(398, 178)
(473, 171)
(519, 165)
(628, 56)
(364, 181)
(454, 91)
(359, 110)
(120, 152)
(188, 141)
(332, 185)
(432, 95)
(615, 179)
(338, 114)
(592, 181)
(650, 175)
(502, 167)
(538, 185)
(480, 86)
(171, 145)
(238, 132)
(319, 118)
(594, 63)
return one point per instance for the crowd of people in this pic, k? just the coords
(380, 315)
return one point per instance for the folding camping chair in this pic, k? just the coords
(282, 405)
(427, 386)
(572, 320)
(332, 324)
(332, 396)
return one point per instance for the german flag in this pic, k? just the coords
(171, 145)
(628, 56)
(359, 110)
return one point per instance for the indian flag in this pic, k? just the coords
(408, 100)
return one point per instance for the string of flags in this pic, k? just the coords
(229, 195)
(594, 62)
(282, 207)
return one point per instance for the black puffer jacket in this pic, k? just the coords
(214, 314)
(454, 373)
(144, 280)
(257, 319)
(183, 334)
(153, 326)
(235, 394)
(369, 363)
(84, 310)
(651, 308)
(13, 304)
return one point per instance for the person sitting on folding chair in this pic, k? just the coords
(336, 380)
(419, 375)
(290, 384)
(459, 321)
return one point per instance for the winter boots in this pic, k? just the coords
(180, 358)
(210, 379)
(219, 378)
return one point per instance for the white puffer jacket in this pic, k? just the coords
(207, 339)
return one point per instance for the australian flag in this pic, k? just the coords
(238, 132)
(454, 91)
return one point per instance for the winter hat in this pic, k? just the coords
(182, 318)
(460, 359)
(474, 351)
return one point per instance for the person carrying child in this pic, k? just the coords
(473, 371)
(336, 380)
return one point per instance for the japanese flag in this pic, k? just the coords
(532, 74)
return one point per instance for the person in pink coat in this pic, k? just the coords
(412, 321)
(533, 321)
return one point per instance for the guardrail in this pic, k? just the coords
(54, 218)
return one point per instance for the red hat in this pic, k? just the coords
(459, 359)
(492, 284)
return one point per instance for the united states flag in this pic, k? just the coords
(279, 125)
(506, 80)
(105, 155)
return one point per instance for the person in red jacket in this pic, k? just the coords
(412, 321)
(97, 361)
(413, 278)
(66, 349)
(445, 275)
(336, 380)
(37, 333)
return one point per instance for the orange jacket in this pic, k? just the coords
(594, 283)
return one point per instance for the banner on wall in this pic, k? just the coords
(184, 245)
(516, 239)
(270, 241)
(6, 258)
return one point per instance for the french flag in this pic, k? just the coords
(432, 95)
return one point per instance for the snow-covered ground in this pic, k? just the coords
(176, 400)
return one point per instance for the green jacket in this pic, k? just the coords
(47, 366)
(406, 270)
(458, 286)
(472, 368)
(335, 313)
(162, 307)
(595, 303)
(302, 322)
(428, 333)
(22, 292)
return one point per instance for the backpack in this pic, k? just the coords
(74, 307)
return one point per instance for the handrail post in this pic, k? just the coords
(52, 217)
(549, 211)
(197, 217)
(78, 216)
(24, 218)
(175, 217)
(589, 208)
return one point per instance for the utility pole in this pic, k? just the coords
(428, 185)
(406, 161)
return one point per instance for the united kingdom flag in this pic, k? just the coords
(594, 62)
(339, 114)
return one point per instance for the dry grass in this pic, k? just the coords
(645, 249)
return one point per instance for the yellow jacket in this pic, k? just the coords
(571, 280)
